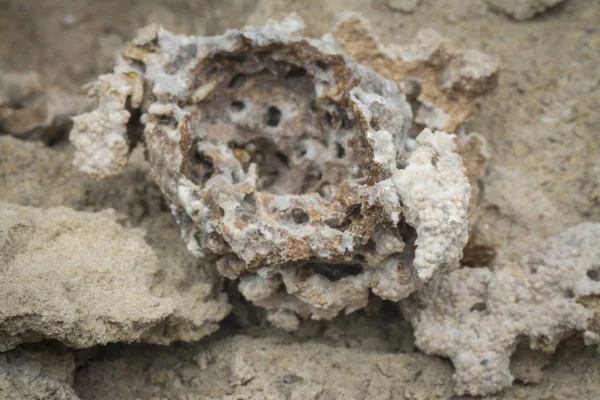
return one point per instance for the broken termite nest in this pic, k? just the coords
(285, 162)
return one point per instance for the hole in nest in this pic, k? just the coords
(296, 72)
(333, 272)
(353, 209)
(247, 208)
(479, 307)
(285, 160)
(202, 167)
(273, 116)
(322, 65)
(237, 106)
(346, 124)
(300, 216)
(340, 151)
(222, 211)
(237, 81)
(374, 125)
(594, 274)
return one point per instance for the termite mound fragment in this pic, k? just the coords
(285, 163)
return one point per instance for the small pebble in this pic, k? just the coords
(70, 21)
(520, 394)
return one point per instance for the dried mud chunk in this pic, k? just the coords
(79, 278)
(445, 81)
(194, 286)
(153, 294)
(284, 158)
(30, 110)
(477, 316)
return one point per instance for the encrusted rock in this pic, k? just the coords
(444, 80)
(286, 163)
(30, 110)
(83, 279)
(476, 316)
(523, 9)
(76, 277)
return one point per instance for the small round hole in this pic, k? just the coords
(594, 274)
(285, 160)
(296, 72)
(300, 216)
(479, 307)
(273, 116)
(237, 106)
(322, 65)
(340, 151)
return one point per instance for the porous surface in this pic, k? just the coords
(37, 375)
(476, 316)
(286, 163)
(523, 9)
(445, 81)
(540, 125)
(30, 110)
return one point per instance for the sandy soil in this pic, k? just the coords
(542, 125)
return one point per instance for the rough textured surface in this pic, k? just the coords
(57, 263)
(284, 159)
(101, 135)
(76, 277)
(476, 316)
(541, 125)
(444, 80)
(30, 110)
(42, 374)
(193, 286)
(523, 9)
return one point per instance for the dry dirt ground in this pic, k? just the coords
(542, 125)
